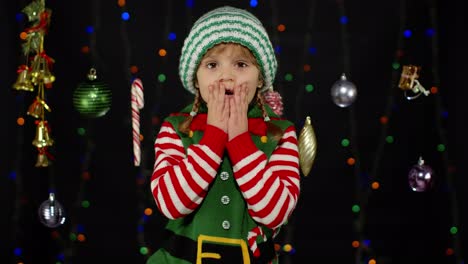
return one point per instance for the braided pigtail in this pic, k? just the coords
(184, 126)
(272, 129)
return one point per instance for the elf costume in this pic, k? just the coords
(225, 200)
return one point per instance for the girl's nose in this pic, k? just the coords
(226, 76)
(226, 80)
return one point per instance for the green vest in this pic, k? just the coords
(223, 212)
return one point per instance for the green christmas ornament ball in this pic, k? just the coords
(92, 98)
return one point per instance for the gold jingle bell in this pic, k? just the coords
(42, 160)
(23, 82)
(42, 138)
(47, 76)
(40, 69)
(36, 109)
(36, 69)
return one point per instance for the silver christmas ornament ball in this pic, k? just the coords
(343, 92)
(51, 212)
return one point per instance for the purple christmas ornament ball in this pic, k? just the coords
(421, 177)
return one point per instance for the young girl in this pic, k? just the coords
(226, 172)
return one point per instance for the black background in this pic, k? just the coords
(403, 226)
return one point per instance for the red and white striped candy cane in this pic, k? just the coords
(137, 104)
(252, 240)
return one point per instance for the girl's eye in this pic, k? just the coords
(211, 65)
(242, 64)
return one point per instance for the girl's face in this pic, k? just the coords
(231, 64)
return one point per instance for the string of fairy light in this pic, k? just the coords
(15, 174)
(286, 233)
(361, 245)
(353, 159)
(77, 233)
(454, 248)
(305, 67)
(361, 209)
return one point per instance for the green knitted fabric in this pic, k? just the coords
(232, 25)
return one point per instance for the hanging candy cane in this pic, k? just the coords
(137, 104)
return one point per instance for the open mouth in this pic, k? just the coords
(229, 92)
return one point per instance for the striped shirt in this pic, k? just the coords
(181, 179)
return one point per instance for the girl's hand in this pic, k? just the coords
(218, 106)
(238, 107)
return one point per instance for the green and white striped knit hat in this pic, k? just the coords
(232, 25)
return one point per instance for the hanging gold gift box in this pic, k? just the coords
(409, 82)
(408, 76)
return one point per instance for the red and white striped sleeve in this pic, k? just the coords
(180, 181)
(270, 187)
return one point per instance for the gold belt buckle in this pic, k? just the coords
(220, 240)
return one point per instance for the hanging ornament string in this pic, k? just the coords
(347, 102)
(146, 202)
(137, 104)
(448, 171)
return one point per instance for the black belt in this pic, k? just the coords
(185, 248)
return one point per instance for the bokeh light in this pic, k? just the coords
(121, 3)
(375, 185)
(125, 16)
(89, 29)
(162, 52)
(312, 50)
(23, 35)
(189, 3)
(161, 77)
(133, 69)
(20, 121)
(407, 33)
(345, 142)
(281, 28)
(172, 36)
(344, 20)
(356, 208)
